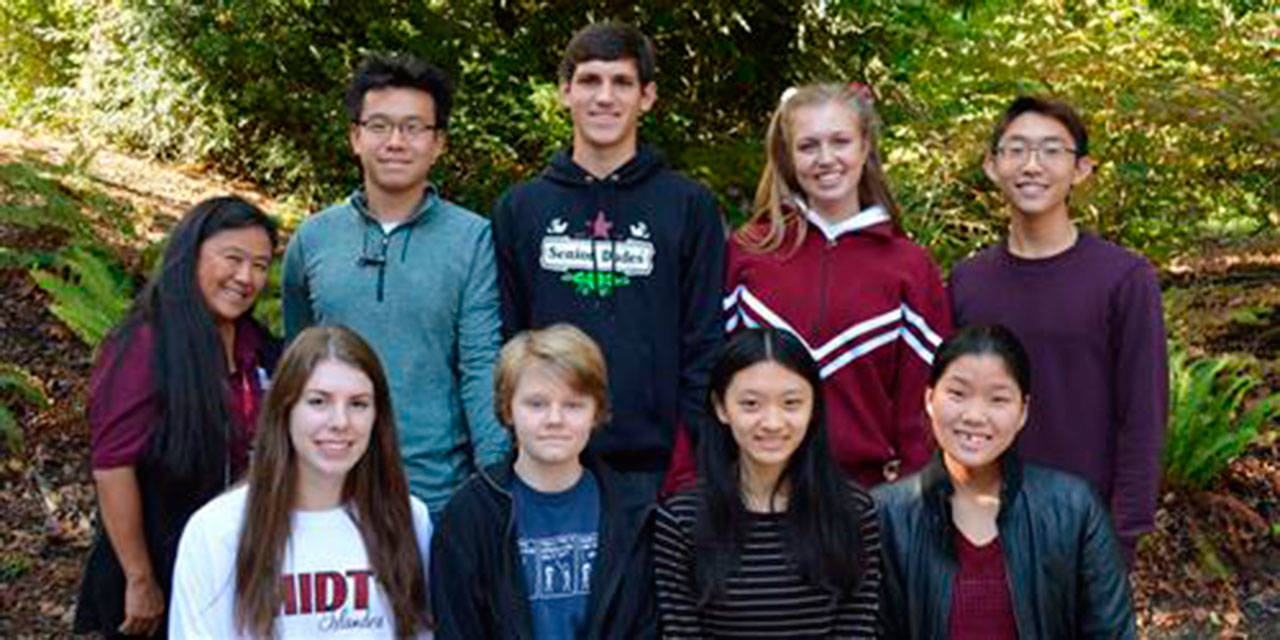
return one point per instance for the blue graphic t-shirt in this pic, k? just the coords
(556, 535)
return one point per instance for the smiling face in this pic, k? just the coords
(395, 162)
(552, 420)
(606, 99)
(977, 409)
(1037, 185)
(329, 425)
(767, 407)
(828, 151)
(231, 269)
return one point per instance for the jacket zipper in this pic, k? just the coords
(824, 260)
(513, 566)
(382, 266)
(622, 553)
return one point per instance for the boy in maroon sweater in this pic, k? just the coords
(1088, 311)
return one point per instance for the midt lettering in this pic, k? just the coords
(325, 591)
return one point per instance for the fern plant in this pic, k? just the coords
(17, 383)
(39, 195)
(90, 298)
(1209, 423)
(34, 200)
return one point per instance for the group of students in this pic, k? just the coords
(598, 415)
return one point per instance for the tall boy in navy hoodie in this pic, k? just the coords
(611, 240)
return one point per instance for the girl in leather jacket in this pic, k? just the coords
(980, 545)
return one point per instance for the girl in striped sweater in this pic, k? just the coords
(774, 542)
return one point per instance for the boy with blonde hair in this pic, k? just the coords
(551, 543)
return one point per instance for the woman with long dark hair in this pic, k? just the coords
(823, 256)
(324, 537)
(977, 521)
(774, 537)
(173, 398)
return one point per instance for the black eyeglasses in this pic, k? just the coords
(1047, 151)
(409, 128)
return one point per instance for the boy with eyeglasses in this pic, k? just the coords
(1088, 311)
(411, 272)
(610, 239)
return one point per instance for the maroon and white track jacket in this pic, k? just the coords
(868, 303)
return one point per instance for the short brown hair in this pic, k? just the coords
(609, 41)
(563, 348)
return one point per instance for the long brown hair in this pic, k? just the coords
(375, 490)
(779, 188)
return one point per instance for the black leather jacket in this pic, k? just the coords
(1066, 574)
(477, 583)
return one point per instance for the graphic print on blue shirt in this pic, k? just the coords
(556, 534)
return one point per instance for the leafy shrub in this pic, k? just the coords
(37, 52)
(89, 293)
(269, 309)
(1177, 93)
(17, 384)
(1182, 119)
(36, 194)
(13, 565)
(30, 197)
(1210, 419)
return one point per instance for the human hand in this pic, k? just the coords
(143, 606)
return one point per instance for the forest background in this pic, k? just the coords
(1181, 97)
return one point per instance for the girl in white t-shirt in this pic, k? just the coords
(324, 540)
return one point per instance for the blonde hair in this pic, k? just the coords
(779, 188)
(564, 349)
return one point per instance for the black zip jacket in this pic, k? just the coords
(477, 581)
(636, 260)
(1066, 575)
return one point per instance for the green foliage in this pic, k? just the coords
(32, 198)
(1211, 420)
(1183, 122)
(17, 384)
(35, 52)
(268, 309)
(39, 195)
(117, 82)
(13, 565)
(89, 294)
(1179, 95)
(279, 67)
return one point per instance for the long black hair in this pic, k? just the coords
(189, 361)
(823, 518)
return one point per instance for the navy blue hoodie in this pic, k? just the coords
(636, 260)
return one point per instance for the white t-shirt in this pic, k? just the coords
(330, 589)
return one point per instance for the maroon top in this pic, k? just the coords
(981, 606)
(1091, 320)
(869, 306)
(124, 401)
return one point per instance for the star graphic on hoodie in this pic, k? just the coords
(600, 226)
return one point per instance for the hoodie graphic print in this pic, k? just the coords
(596, 261)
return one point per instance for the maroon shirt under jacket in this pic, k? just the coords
(981, 606)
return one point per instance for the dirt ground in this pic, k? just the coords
(1212, 568)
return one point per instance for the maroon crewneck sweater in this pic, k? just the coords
(1091, 320)
(981, 605)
